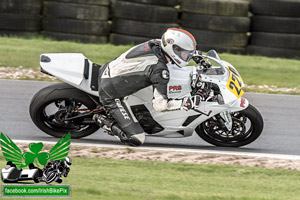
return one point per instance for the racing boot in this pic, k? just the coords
(137, 139)
(132, 140)
(114, 129)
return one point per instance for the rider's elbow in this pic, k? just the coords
(159, 106)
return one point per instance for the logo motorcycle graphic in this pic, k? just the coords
(55, 164)
(175, 89)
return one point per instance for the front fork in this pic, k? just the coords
(225, 116)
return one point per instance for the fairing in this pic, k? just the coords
(70, 69)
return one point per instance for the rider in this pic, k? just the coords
(139, 67)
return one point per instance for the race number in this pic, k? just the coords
(235, 82)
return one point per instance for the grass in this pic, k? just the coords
(25, 52)
(255, 70)
(97, 178)
(95, 150)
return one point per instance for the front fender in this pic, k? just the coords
(238, 105)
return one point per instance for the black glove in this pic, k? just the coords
(191, 102)
(197, 57)
(206, 64)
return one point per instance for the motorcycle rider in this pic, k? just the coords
(139, 67)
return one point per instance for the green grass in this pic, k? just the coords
(25, 52)
(255, 70)
(258, 70)
(97, 178)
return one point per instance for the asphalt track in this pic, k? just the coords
(281, 113)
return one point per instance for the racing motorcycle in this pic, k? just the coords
(223, 118)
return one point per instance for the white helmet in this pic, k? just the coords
(179, 45)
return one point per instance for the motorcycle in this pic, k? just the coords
(223, 118)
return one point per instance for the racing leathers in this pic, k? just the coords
(137, 68)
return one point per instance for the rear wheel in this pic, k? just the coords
(247, 126)
(51, 106)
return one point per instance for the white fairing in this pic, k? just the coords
(29, 172)
(70, 67)
(66, 66)
(6, 171)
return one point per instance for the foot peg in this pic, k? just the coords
(103, 122)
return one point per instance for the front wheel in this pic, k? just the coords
(247, 126)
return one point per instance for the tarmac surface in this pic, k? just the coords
(281, 114)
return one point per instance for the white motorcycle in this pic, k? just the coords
(224, 117)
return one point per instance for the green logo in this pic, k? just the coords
(13, 153)
(163, 40)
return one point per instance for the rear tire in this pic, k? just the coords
(139, 28)
(143, 12)
(51, 94)
(216, 7)
(76, 37)
(251, 114)
(118, 39)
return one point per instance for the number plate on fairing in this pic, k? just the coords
(235, 82)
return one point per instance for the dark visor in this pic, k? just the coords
(185, 55)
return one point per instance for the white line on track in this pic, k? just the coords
(263, 155)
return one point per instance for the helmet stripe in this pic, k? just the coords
(181, 30)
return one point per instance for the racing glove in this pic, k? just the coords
(190, 102)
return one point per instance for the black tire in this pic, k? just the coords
(220, 49)
(89, 2)
(283, 8)
(252, 114)
(20, 22)
(137, 28)
(18, 33)
(24, 6)
(76, 11)
(272, 52)
(36, 180)
(275, 24)
(118, 39)
(59, 91)
(87, 27)
(51, 176)
(216, 7)
(143, 12)
(224, 39)
(170, 3)
(215, 23)
(59, 181)
(76, 37)
(279, 40)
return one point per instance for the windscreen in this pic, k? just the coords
(213, 54)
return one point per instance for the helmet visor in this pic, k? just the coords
(183, 54)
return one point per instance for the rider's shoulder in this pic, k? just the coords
(140, 50)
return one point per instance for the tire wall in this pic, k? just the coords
(275, 28)
(215, 24)
(20, 18)
(136, 21)
(78, 20)
(267, 28)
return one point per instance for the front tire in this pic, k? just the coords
(58, 98)
(247, 127)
